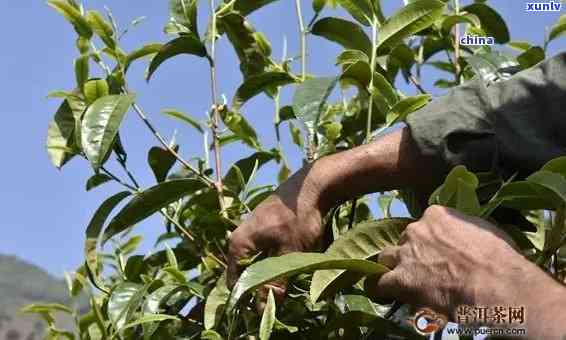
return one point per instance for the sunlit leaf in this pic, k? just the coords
(409, 20)
(94, 89)
(144, 51)
(344, 32)
(291, 264)
(559, 29)
(216, 303)
(184, 118)
(268, 318)
(100, 126)
(185, 44)
(73, 15)
(362, 242)
(150, 201)
(103, 29)
(255, 85)
(148, 319)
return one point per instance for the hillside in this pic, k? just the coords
(22, 283)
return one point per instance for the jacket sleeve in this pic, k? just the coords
(513, 126)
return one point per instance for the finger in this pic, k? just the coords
(389, 257)
(240, 248)
(278, 287)
(384, 289)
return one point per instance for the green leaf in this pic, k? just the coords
(520, 45)
(60, 136)
(268, 318)
(209, 334)
(384, 88)
(121, 302)
(94, 229)
(291, 264)
(348, 57)
(161, 161)
(246, 168)
(103, 29)
(130, 245)
(216, 303)
(144, 51)
(492, 66)
(557, 165)
(552, 181)
(150, 201)
(409, 20)
(184, 118)
(82, 70)
(451, 20)
(100, 126)
(310, 98)
(491, 22)
(236, 123)
(257, 84)
(318, 5)
(361, 10)
(73, 15)
(559, 29)
(346, 33)
(184, 12)
(525, 195)
(362, 242)
(242, 36)
(94, 89)
(406, 106)
(458, 191)
(38, 308)
(185, 44)
(531, 57)
(296, 135)
(149, 319)
(246, 7)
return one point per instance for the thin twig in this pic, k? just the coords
(374, 25)
(303, 34)
(417, 84)
(457, 69)
(117, 180)
(215, 111)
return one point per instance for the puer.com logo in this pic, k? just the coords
(427, 321)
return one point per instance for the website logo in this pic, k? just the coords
(427, 321)
(543, 6)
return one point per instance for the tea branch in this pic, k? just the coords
(141, 114)
(215, 119)
(373, 60)
(303, 35)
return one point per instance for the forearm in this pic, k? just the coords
(391, 162)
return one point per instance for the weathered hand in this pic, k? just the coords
(287, 221)
(448, 259)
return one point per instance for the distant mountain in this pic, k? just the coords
(22, 283)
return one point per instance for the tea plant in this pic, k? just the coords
(180, 292)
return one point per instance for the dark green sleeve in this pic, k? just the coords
(513, 126)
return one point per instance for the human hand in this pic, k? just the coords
(290, 220)
(448, 259)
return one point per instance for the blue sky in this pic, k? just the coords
(44, 211)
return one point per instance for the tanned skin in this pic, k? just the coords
(446, 259)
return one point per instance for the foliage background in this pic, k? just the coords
(44, 212)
